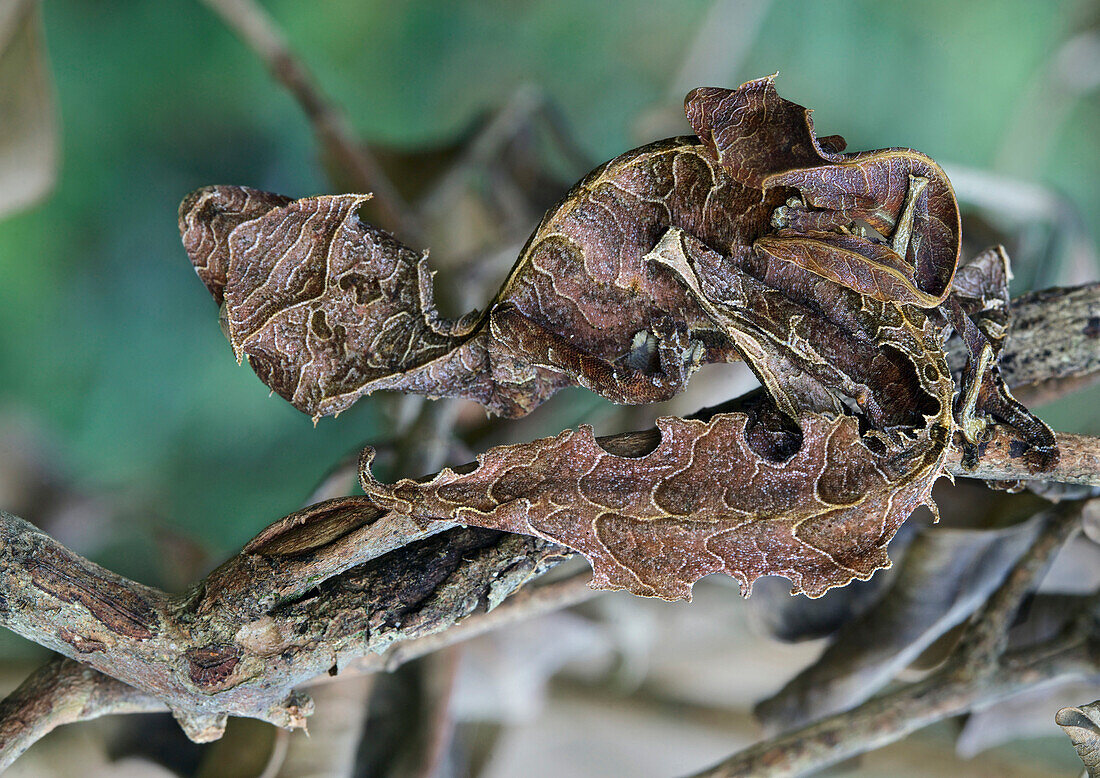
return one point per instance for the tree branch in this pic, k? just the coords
(1001, 460)
(222, 649)
(526, 604)
(1054, 338)
(978, 672)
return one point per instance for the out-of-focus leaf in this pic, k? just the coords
(503, 676)
(1058, 492)
(28, 123)
(243, 751)
(1076, 568)
(1083, 727)
(1026, 715)
(1045, 616)
(154, 739)
(945, 577)
(1091, 525)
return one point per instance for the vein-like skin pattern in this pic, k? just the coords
(826, 272)
(703, 502)
(327, 308)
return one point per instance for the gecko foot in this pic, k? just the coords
(785, 215)
(678, 354)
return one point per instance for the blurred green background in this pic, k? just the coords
(115, 376)
(129, 433)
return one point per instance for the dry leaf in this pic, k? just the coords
(1083, 727)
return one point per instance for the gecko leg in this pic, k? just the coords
(983, 394)
(978, 310)
(797, 215)
(903, 231)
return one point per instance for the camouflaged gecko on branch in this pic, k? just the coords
(830, 274)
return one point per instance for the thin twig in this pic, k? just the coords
(1053, 337)
(887, 719)
(440, 722)
(214, 652)
(277, 758)
(530, 602)
(423, 447)
(259, 31)
(987, 636)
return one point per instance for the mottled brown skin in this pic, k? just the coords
(829, 273)
(579, 294)
(872, 187)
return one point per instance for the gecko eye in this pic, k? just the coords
(643, 351)
(864, 229)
